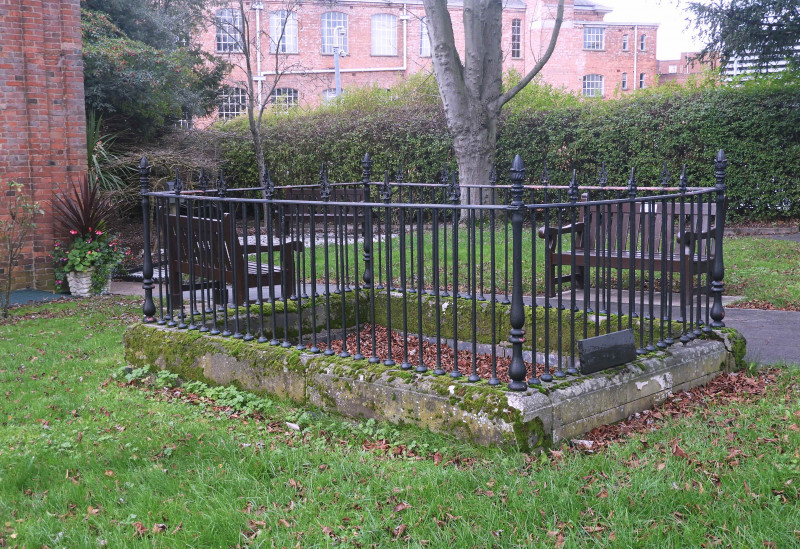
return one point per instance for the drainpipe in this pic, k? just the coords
(635, 55)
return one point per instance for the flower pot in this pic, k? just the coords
(80, 284)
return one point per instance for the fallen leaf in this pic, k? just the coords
(401, 507)
(139, 529)
(284, 522)
(399, 531)
(602, 494)
(678, 451)
(159, 527)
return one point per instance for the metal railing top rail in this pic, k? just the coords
(449, 206)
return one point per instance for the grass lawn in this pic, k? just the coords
(87, 460)
(763, 269)
(759, 269)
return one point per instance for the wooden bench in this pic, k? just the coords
(209, 249)
(631, 235)
(301, 213)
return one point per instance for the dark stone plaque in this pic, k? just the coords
(606, 351)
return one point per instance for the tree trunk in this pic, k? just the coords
(474, 145)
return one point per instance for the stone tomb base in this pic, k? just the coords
(485, 415)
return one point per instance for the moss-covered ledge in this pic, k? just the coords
(472, 411)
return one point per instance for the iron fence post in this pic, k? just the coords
(517, 370)
(718, 271)
(149, 308)
(366, 165)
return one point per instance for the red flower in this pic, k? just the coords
(73, 232)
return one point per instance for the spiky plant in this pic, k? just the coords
(84, 210)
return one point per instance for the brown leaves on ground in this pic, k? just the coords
(730, 387)
(430, 353)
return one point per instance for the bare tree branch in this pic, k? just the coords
(506, 97)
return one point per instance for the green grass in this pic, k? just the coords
(84, 457)
(763, 269)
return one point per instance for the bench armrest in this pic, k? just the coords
(689, 239)
(551, 233)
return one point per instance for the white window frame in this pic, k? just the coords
(231, 103)
(516, 39)
(624, 80)
(625, 45)
(593, 85)
(641, 81)
(643, 43)
(330, 21)
(329, 95)
(594, 38)
(384, 35)
(283, 31)
(229, 30)
(424, 38)
(283, 99)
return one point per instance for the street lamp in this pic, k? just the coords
(257, 6)
(338, 33)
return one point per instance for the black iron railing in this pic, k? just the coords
(409, 274)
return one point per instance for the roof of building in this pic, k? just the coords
(589, 5)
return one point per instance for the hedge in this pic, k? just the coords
(757, 124)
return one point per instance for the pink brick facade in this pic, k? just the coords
(679, 70)
(312, 71)
(42, 120)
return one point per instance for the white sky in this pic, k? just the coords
(673, 36)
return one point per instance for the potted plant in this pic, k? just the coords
(86, 260)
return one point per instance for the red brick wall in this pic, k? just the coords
(383, 71)
(42, 120)
(567, 67)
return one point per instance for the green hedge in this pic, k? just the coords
(757, 124)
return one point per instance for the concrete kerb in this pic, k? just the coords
(485, 415)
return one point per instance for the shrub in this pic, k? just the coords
(757, 124)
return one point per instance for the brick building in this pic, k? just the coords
(42, 120)
(386, 41)
(679, 70)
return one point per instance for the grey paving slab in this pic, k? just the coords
(772, 336)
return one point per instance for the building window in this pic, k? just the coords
(384, 34)
(593, 85)
(624, 80)
(331, 21)
(424, 38)
(641, 81)
(516, 38)
(624, 42)
(328, 95)
(283, 32)
(643, 42)
(593, 38)
(284, 98)
(231, 103)
(229, 31)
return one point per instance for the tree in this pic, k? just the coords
(14, 230)
(763, 30)
(261, 89)
(472, 91)
(141, 69)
